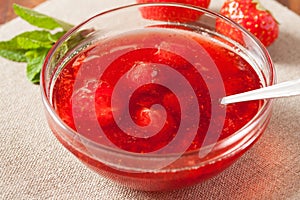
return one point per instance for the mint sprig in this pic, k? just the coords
(40, 20)
(32, 46)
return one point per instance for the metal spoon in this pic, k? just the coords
(284, 89)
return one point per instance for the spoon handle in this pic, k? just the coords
(285, 89)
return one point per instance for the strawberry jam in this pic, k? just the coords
(155, 92)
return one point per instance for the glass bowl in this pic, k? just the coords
(135, 96)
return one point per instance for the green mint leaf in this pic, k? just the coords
(40, 20)
(56, 36)
(32, 46)
(28, 40)
(14, 55)
(35, 61)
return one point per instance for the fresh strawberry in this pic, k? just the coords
(172, 13)
(251, 15)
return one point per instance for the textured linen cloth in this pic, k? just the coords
(34, 165)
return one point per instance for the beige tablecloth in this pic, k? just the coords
(34, 165)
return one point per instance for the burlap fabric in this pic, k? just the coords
(34, 165)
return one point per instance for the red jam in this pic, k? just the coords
(136, 91)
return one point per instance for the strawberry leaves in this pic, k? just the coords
(32, 46)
